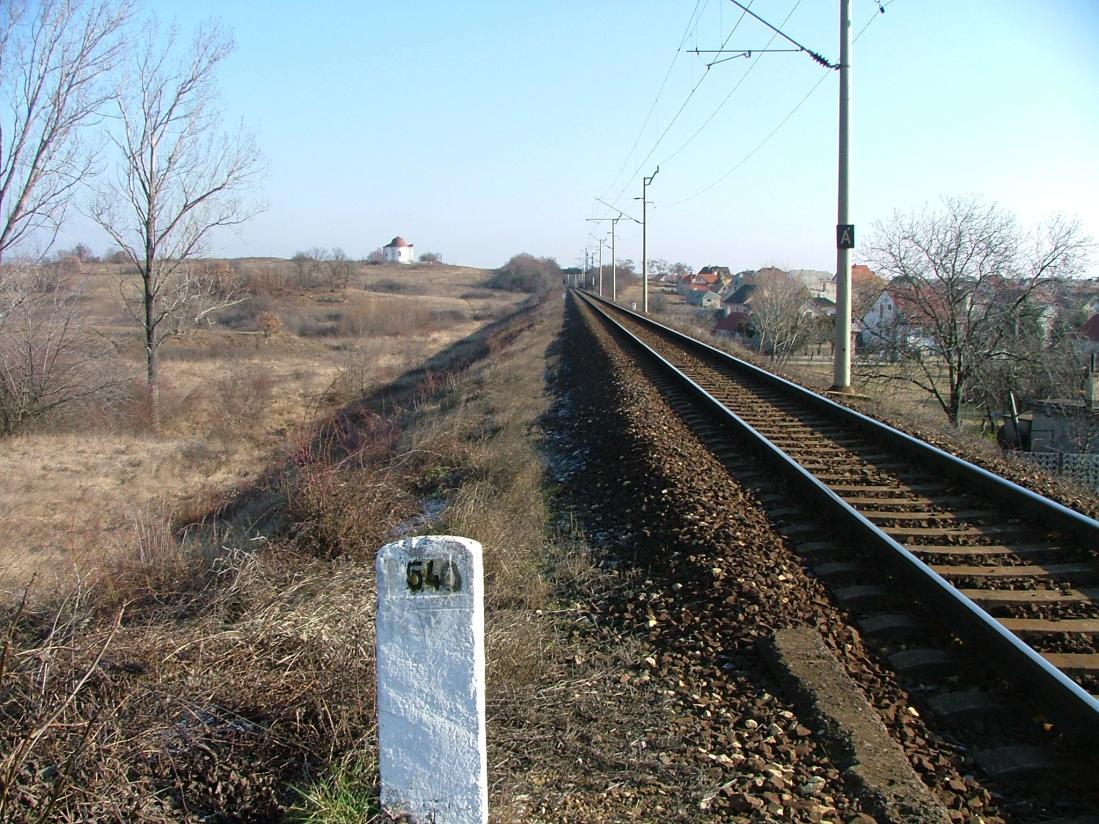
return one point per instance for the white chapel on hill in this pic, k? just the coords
(398, 250)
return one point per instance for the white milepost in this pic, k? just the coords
(431, 680)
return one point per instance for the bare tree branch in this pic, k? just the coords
(966, 295)
(53, 73)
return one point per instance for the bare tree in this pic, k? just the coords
(181, 178)
(53, 70)
(338, 267)
(376, 257)
(431, 257)
(967, 286)
(47, 357)
(303, 264)
(778, 314)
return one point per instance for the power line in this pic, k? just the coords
(679, 50)
(732, 91)
(783, 122)
(675, 117)
(759, 145)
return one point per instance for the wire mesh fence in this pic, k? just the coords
(1082, 468)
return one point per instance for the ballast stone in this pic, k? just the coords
(431, 680)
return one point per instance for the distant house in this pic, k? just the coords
(736, 324)
(720, 274)
(820, 307)
(900, 317)
(819, 284)
(1088, 341)
(739, 300)
(398, 250)
(707, 300)
(688, 283)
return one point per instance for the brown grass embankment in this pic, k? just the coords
(227, 668)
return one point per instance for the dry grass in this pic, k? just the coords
(231, 400)
(198, 641)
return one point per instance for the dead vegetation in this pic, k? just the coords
(211, 657)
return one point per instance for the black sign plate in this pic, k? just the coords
(845, 236)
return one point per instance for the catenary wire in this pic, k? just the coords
(692, 22)
(675, 117)
(777, 128)
(732, 91)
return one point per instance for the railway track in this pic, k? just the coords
(1009, 572)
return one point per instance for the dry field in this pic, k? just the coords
(198, 643)
(233, 398)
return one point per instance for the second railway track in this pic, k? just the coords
(1008, 571)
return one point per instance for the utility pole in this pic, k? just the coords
(614, 262)
(645, 181)
(602, 241)
(613, 221)
(845, 231)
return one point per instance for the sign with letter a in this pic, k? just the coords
(845, 236)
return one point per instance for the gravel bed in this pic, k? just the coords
(712, 579)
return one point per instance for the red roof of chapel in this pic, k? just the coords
(398, 241)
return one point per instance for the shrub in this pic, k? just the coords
(526, 273)
(390, 285)
(239, 398)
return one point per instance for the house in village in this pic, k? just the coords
(707, 299)
(721, 276)
(398, 250)
(1088, 341)
(739, 300)
(893, 320)
(737, 325)
(818, 284)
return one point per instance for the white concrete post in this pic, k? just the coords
(431, 680)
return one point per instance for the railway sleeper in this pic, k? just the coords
(894, 626)
(969, 704)
(841, 571)
(1022, 571)
(1019, 762)
(990, 598)
(1042, 626)
(1021, 551)
(923, 662)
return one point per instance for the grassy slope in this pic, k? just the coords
(227, 669)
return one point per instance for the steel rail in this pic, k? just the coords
(1065, 701)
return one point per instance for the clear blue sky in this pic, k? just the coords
(486, 128)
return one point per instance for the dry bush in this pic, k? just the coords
(388, 319)
(270, 324)
(358, 375)
(239, 399)
(390, 285)
(344, 513)
(245, 316)
(342, 496)
(49, 357)
(220, 706)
